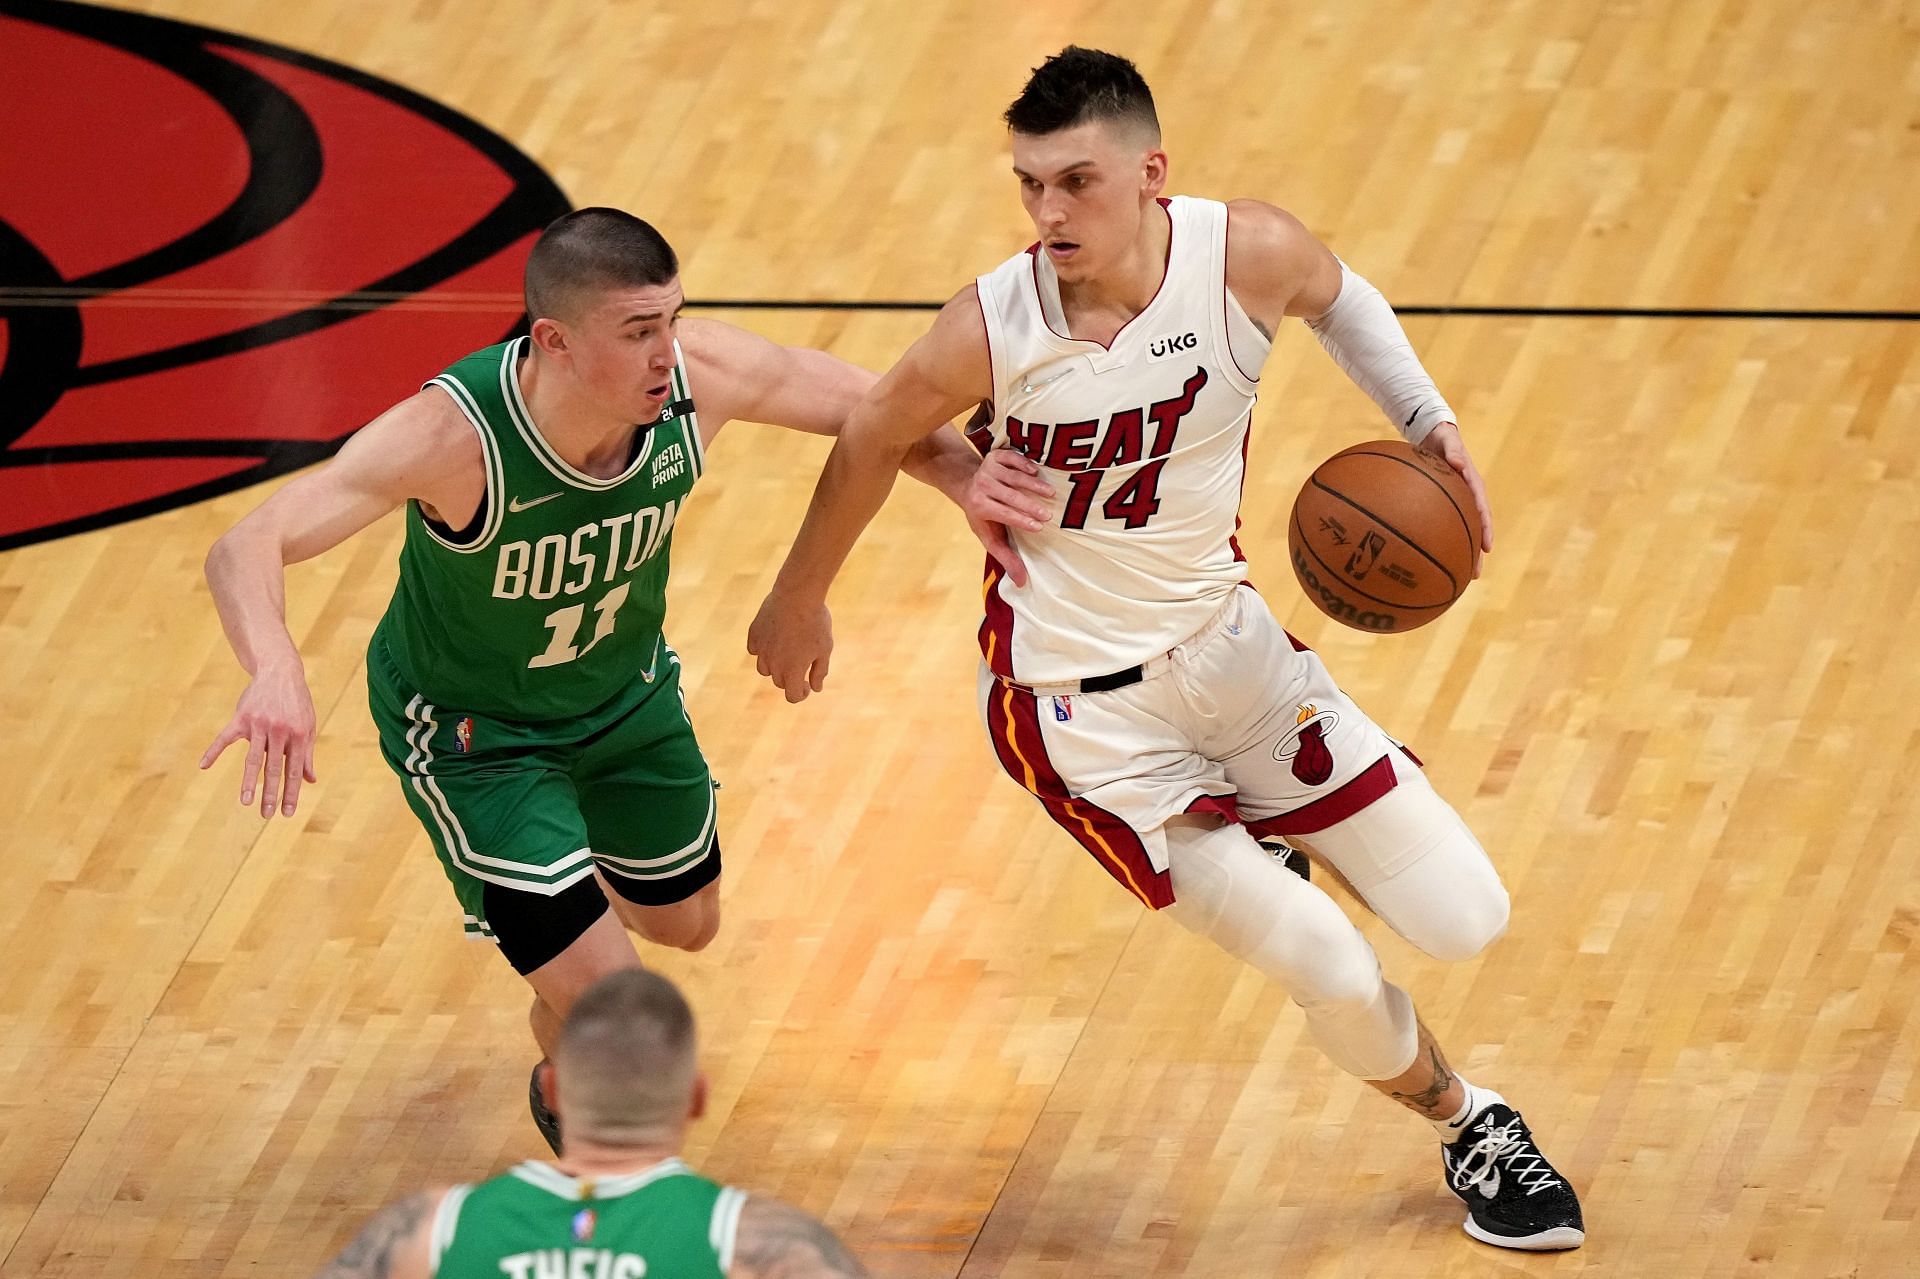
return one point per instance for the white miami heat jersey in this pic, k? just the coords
(1146, 441)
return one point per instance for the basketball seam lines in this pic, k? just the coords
(1411, 544)
(1404, 608)
(1465, 525)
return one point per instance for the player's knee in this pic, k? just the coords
(700, 933)
(681, 931)
(1481, 927)
(1333, 964)
(1231, 891)
(690, 925)
(1470, 924)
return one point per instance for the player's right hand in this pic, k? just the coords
(794, 642)
(275, 716)
(1007, 491)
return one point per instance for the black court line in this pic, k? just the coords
(1536, 312)
(24, 296)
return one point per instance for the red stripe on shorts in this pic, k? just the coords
(1332, 808)
(1014, 724)
(996, 630)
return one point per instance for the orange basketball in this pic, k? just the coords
(1384, 537)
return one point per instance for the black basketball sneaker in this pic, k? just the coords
(1514, 1197)
(1290, 857)
(544, 1119)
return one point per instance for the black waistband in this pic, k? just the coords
(1107, 683)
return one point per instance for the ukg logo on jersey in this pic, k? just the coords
(1165, 348)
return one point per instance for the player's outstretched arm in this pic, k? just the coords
(945, 373)
(1277, 268)
(394, 1244)
(403, 453)
(741, 375)
(778, 1241)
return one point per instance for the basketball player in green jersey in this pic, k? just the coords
(523, 691)
(618, 1203)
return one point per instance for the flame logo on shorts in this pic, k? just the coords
(1306, 745)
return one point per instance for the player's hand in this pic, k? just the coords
(1444, 442)
(1007, 491)
(275, 717)
(793, 641)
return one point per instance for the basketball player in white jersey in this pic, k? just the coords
(1131, 679)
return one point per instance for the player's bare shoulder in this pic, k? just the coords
(393, 1244)
(1275, 265)
(430, 451)
(778, 1241)
(727, 369)
(952, 358)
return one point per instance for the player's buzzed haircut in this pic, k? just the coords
(589, 251)
(626, 1059)
(1076, 85)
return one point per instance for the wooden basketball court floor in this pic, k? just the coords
(1679, 709)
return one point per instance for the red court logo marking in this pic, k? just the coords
(218, 257)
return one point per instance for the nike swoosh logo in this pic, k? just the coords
(1029, 385)
(517, 506)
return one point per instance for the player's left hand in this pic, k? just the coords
(1007, 491)
(793, 641)
(1444, 442)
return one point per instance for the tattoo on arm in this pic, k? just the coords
(778, 1241)
(371, 1254)
(1425, 1099)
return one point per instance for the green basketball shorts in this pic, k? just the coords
(535, 807)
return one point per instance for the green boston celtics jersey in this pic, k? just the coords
(535, 1222)
(553, 608)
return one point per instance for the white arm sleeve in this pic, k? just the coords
(1362, 334)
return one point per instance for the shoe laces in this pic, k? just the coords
(1505, 1146)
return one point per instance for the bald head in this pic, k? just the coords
(589, 252)
(625, 1063)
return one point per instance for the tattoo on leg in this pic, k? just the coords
(1425, 1099)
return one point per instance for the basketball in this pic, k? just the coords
(1384, 537)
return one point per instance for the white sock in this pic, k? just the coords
(1478, 1099)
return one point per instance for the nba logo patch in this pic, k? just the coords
(1063, 709)
(583, 1224)
(463, 735)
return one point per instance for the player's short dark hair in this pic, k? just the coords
(591, 250)
(1076, 85)
(626, 1058)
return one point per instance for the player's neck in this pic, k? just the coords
(1130, 284)
(585, 1159)
(584, 437)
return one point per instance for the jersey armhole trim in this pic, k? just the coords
(446, 1220)
(683, 390)
(988, 329)
(1230, 310)
(724, 1229)
(490, 457)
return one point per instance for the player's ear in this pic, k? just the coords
(1154, 173)
(549, 335)
(550, 1086)
(697, 1105)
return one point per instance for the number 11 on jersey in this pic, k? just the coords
(565, 625)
